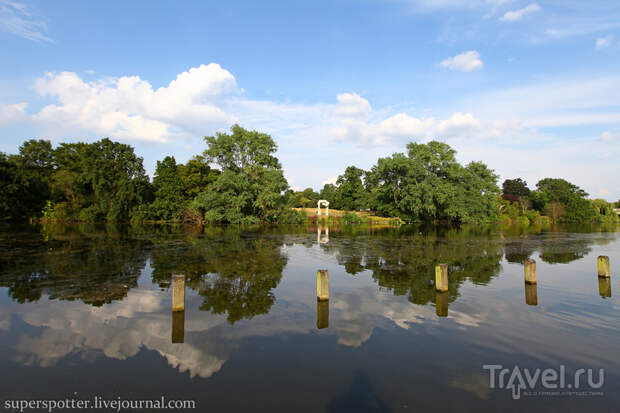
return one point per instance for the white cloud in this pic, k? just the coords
(515, 15)
(13, 113)
(458, 125)
(351, 105)
(465, 62)
(129, 108)
(17, 19)
(604, 42)
(565, 27)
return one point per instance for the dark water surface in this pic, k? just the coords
(85, 311)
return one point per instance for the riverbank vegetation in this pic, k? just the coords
(239, 180)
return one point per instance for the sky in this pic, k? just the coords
(531, 88)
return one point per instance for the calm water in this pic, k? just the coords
(86, 311)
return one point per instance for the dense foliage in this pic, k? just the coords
(238, 179)
(554, 200)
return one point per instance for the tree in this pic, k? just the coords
(196, 175)
(251, 182)
(351, 194)
(169, 200)
(428, 184)
(517, 187)
(564, 201)
(330, 193)
(101, 181)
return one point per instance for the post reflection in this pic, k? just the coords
(441, 303)
(320, 237)
(604, 287)
(178, 326)
(322, 314)
(531, 294)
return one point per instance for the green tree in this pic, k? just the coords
(428, 184)
(196, 175)
(251, 182)
(169, 201)
(100, 181)
(351, 194)
(330, 193)
(517, 187)
(564, 201)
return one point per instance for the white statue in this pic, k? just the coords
(326, 204)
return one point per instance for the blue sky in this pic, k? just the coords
(532, 88)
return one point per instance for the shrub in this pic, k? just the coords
(290, 216)
(351, 219)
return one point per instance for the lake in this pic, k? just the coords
(85, 312)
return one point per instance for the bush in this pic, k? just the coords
(290, 216)
(351, 219)
(193, 216)
(59, 212)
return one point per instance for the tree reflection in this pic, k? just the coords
(234, 270)
(93, 264)
(403, 260)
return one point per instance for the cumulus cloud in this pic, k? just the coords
(604, 42)
(458, 124)
(13, 113)
(129, 107)
(201, 101)
(516, 15)
(464, 62)
(17, 19)
(353, 123)
(352, 105)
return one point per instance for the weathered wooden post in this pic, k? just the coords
(441, 303)
(603, 266)
(322, 285)
(322, 314)
(441, 277)
(530, 271)
(178, 326)
(531, 294)
(604, 287)
(178, 293)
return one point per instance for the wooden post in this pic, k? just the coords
(441, 303)
(604, 287)
(603, 266)
(322, 314)
(322, 285)
(531, 294)
(441, 277)
(178, 293)
(178, 326)
(530, 271)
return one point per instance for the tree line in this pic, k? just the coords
(238, 179)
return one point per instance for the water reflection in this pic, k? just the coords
(404, 263)
(320, 237)
(96, 265)
(360, 397)
(604, 287)
(178, 326)
(233, 272)
(251, 297)
(441, 303)
(531, 294)
(322, 314)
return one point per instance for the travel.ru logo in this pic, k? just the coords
(554, 381)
